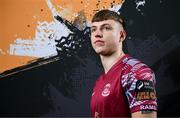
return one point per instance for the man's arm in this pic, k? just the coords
(144, 114)
(140, 90)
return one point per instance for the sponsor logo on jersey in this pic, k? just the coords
(96, 115)
(145, 90)
(139, 85)
(146, 96)
(148, 107)
(106, 90)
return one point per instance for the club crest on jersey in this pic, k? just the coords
(106, 90)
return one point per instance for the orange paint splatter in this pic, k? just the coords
(18, 19)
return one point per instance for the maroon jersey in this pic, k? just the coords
(129, 86)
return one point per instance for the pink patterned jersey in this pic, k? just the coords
(129, 86)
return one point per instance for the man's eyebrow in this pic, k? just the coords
(106, 24)
(93, 26)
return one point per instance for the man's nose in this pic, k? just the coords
(98, 34)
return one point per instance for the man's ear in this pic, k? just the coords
(122, 35)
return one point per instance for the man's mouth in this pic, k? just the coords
(98, 41)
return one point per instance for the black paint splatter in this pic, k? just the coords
(76, 43)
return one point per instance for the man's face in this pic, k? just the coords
(106, 36)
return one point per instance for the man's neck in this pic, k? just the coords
(109, 61)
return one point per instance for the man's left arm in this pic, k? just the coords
(144, 114)
(140, 90)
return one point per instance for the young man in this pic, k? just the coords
(127, 86)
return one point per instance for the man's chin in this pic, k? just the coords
(103, 53)
(99, 52)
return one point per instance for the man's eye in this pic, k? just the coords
(93, 30)
(107, 28)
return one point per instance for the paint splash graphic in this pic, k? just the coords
(42, 45)
(139, 4)
(2, 52)
(45, 43)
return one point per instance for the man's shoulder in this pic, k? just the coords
(135, 64)
(137, 70)
(137, 67)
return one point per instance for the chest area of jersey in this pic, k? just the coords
(107, 89)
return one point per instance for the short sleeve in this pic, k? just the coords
(139, 87)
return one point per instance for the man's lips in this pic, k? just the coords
(98, 41)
